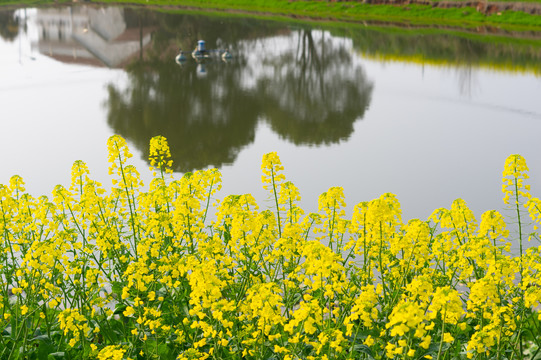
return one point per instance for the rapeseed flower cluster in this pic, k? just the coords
(135, 273)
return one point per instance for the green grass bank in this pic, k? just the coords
(457, 13)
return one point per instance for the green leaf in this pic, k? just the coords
(7, 331)
(57, 355)
(364, 349)
(43, 337)
(120, 309)
(117, 287)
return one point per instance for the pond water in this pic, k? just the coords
(428, 116)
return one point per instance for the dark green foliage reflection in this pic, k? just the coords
(306, 87)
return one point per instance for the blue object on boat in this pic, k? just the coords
(201, 45)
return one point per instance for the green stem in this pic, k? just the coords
(519, 231)
(380, 258)
(331, 226)
(208, 201)
(128, 197)
(442, 332)
(276, 202)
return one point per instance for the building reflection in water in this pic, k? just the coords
(89, 35)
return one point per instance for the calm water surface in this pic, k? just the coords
(430, 118)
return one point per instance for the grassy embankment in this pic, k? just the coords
(353, 11)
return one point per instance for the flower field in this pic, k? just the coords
(168, 271)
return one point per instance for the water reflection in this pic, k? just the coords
(88, 35)
(303, 82)
(207, 121)
(9, 25)
(313, 93)
(461, 53)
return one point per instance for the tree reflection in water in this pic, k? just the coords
(308, 89)
(316, 93)
(9, 25)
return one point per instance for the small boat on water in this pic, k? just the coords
(226, 56)
(180, 58)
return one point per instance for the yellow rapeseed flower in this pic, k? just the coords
(111, 352)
